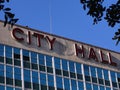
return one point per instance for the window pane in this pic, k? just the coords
(99, 73)
(9, 71)
(27, 75)
(50, 80)
(93, 71)
(86, 70)
(64, 65)
(41, 59)
(71, 66)
(78, 68)
(73, 84)
(59, 82)
(33, 57)
(8, 52)
(17, 72)
(57, 63)
(49, 61)
(88, 86)
(67, 84)
(80, 85)
(34, 77)
(42, 78)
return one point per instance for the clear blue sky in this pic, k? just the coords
(67, 19)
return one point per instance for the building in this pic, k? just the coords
(35, 60)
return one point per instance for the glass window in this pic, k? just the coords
(49, 61)
(18, 89)
(9, 71)
(67, 84)
(107, 88)
(95, 87)
(27, 75)
(106, 76)
(99, 73)
(93, 71)
(8, 52)
(78, 68)
(1, 70)
(16, 53)
(80, 85)
(1, 50)
(113, 77)
(59, 82)
(64, 65)
(17, 73)
(35, 77)
(71, 66)
(102, 88)
(9, 88)
(73, 84)
(88, 86)
(42, 78)
(2, 87)
(33, 57)
(41, 59)
(26, 55)
(86, 70)
(50, 80)
(57, 63)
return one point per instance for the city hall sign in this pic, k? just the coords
(80, 51)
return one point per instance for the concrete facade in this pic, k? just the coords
(62, 47)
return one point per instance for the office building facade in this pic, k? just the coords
(34, 60)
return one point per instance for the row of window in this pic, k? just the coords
(54, 69)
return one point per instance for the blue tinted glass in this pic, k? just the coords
(33, 57)
(25, 53)
(17, 72)
(80, 85)
(50, 80)
(66, 84)
(17, 50)
(59, 82)
(86, 70)
(35, 77)
(71, 66)
(93, 71)
(49, 61)
(99, 72)
(1, 50)
(27, 75)
(107, 88)
(102, 88)
(64, 65)
(43, 78)
(118, 75)
(9, 71)
(9, 88)
(88, 86)
(78, 68)
(18, 89)
(2, 87)
(95, 87)
(74, 85)
(106, 77)
(113, 77)
(1, 70)
(57, 63)
(8, 52)
(41, 59)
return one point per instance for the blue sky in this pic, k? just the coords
(64, 18)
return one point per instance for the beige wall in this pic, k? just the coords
(63, 48)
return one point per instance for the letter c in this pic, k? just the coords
(17, 30)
